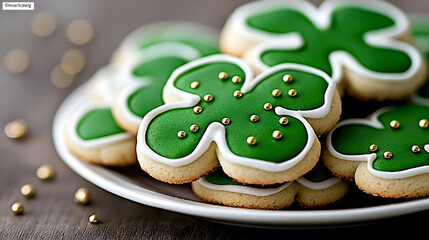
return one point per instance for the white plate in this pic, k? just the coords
(133, 184)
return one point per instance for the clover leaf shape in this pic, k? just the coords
(251, 123)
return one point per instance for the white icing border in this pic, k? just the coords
(321, 18)
(370, 158)
(93, 143)
(105, 83)
(216, 131)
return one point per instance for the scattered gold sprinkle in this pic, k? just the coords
(223, 75)
(208, 98)
(236, 79)
(16, 129)
(93, 219)
(284, 121)
(198, 109)
(195, 84)
(251, 140)
(276, 93)
(415, 149)
(82, 196)
(80, 31)
(254, 118)
(194, 128)
(287, 78)
(45, 172)
(394, 124)
(16, 60)
(73, 62)
(238, 94)
(387, 155)
(268, 106)
(181, 134)
(424, 123)
(44, 23)
(373, 148)
(277, 134)
(226, 121)
(17, 208)
(28, 190)
(60, 79)
(292, 92)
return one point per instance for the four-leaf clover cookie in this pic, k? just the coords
(259, 129)
(363, 45)
(387, 155)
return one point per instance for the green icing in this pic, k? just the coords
(420, 30)
(220, 178)
(345, 33)
(355, 139)
(162, 130)
(318, 174)
(97, 123)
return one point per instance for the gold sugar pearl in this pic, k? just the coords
(198, 109)
(284, 121)
(82, 196)
(17, 208)
(238, 94)
(16, 60)
(395, 124)
(415, 149)
(16, 129)
(292, 92)
(28, 190)
(268, 106)
(276, 93)
(208, 98)
(181, 134)
(93, 219)
(72, 62)
(195, 84)
(61, 79)
(45, 172)
(387, 155)
(287, 78)
(254, 118)
(424, 123)
(194, 128)
(373, 148)
(44, 23)
(223, 75)
(251, 140)
(80, 31)
(236, 79)
(226, 121)
(277, 135)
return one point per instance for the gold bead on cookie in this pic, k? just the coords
(194, 128)
(28, 190)
(268, 106)
(276, 93)
(424, 123)
(236, 79)
(223, 75)
(277, 135)
(395, 124)
(195, 84)
(226, 121)
(373, 148)
(93, 219)
(198, 109)
(292, 92)
(387, 155)
(82, 196)
(238, 94)
(251, 140)
(254, 118)
(181, 134)
(287, 78)
(284, 121)
(17, 208)
(415, 149)
(208, 98)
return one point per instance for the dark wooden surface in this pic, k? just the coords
(52, 214)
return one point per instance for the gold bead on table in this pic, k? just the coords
(284, 121)
(181, 134)
(93, 219)
(195, 84)
(276, 93)
(17, 208)
(373, 148)
(268, 106)
(395, 124)
(82, 196)
(287, 78)
(226, 121)
(277, 135)
(198, 109)
(45, 172)
(415, 149)
(251, 140)
(292, 93)
(236, 79)
(28, 190)
(194, 128)
(254, 118)
(387, 155)
(424, 123)
(223, 75)
(208, 98)
(238, 94)
(16, 129)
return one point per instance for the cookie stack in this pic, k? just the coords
(254, 119)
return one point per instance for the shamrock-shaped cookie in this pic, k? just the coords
(387, 155)
(316, 188)
(260, 129)
(363, 45)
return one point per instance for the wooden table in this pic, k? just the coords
(30, 96)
